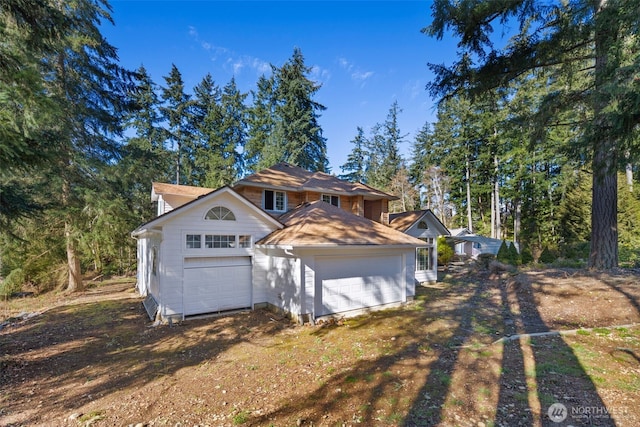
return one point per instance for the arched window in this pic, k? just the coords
(422, 225)
(220, 213)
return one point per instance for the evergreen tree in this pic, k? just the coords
(89, 90)
(261, 127)
(296, 136)
(144, 158)
(206, 121)
(233, 130)
(598, 57)
(385, 160)
(29, 30)
(357, 159)
(176, 112)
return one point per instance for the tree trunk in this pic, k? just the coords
(495, 215)
(469, 217)
(604, 219)
(73, 262)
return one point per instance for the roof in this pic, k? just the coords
(321, 224)
(178, 190)
(294, 178)
(405, 220)
(459, 231)
(159, 220)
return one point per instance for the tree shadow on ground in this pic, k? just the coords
(67, 357)
(544, 368)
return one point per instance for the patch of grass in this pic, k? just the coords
(442, 377)
(547, 399)
(92, 416)
(241, 417)
(484, 392)
(394, 419)
(602, 331)
(350, 379)
(583, 332)
(559, 366)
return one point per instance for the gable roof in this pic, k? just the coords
(158, 188)
(159, 220)
(289, 177)
(321, 224)
(405, 220)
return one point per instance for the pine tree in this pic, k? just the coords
(144, 158)
(384, 150)
(357, 160)
(261, 122)
(90, 91)
(297, 130)
(206, 121)
(176, 111)
(598, 57)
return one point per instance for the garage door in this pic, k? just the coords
(216, 284)
(351, 283)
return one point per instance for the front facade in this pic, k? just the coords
(305, 243)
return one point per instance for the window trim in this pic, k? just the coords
(208, 242)
(274, 200)
(191, 239)
(330, 197)
(430, 249)
(221, 213)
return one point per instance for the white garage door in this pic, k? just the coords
(351, 283)
(216, 284)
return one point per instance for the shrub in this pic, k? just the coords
(526, 256)
(445, 252)
(503, 253)
(548, 256)
(12, 283)
(513, 256)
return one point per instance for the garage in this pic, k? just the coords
(216, 284)
(352, 283)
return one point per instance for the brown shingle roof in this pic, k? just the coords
(180, 190)
(321, 224)
(286, 176)
(403, 221)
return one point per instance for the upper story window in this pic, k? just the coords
(274, 200)
(422, 225)
(332, 200)
(220, 213)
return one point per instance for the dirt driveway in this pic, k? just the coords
(450, 358)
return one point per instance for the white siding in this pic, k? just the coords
(283, 281)
(430, 232)
(191, 221)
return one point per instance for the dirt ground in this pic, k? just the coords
(466, 352)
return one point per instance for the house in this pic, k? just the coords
(304, 243)
(472, 245)
(423, 225)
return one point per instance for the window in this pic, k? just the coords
(244, 241)
(274, 201)
(422, 225)
(332, 200)
(423, 259)
(193, 241)
(219, 241)
(424, 256)
(220, 213)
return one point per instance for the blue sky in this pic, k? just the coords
(365, 54)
